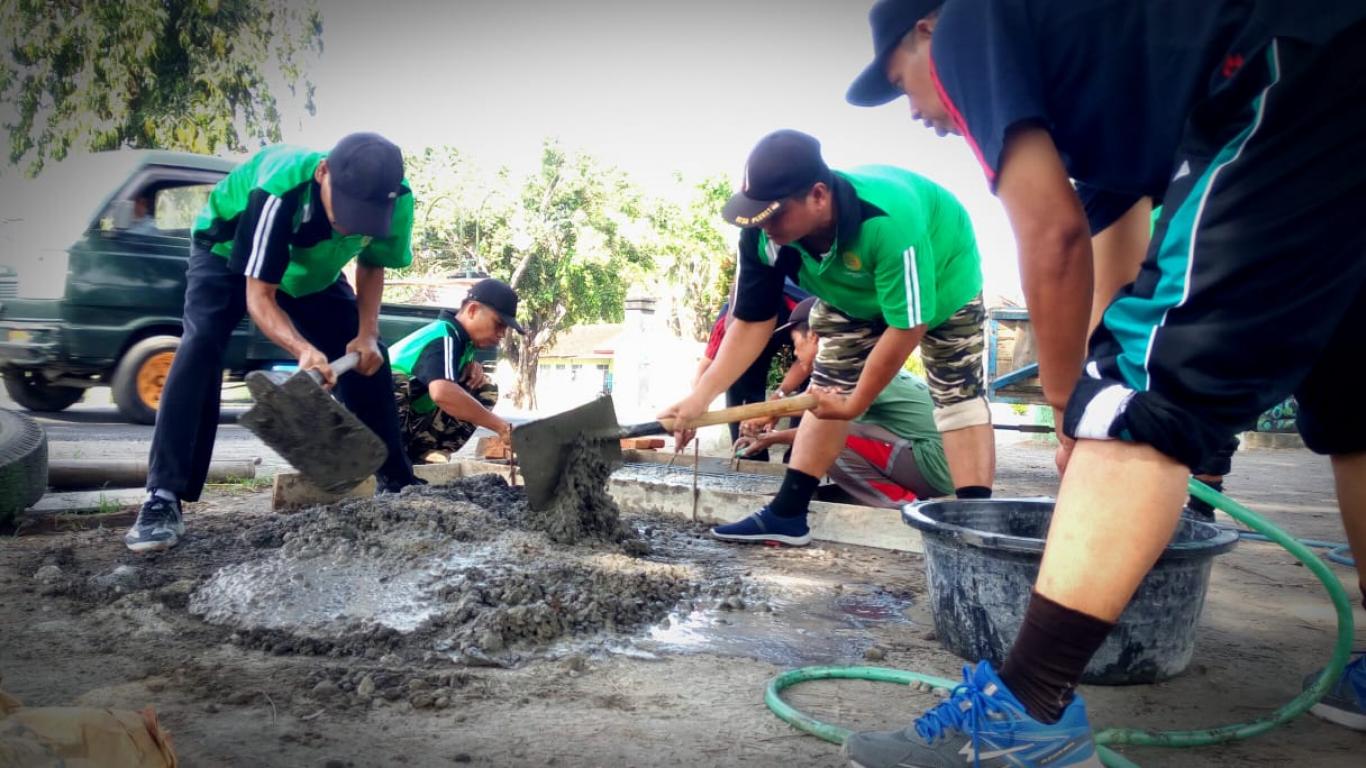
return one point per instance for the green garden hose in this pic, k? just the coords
(1297, 706)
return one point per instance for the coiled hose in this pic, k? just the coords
(1110, 737)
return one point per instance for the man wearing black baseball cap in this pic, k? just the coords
(893, 260)
(1222, 110)
(442, 392)
(270, 243)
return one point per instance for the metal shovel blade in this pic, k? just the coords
(316, 434)
(541, 446)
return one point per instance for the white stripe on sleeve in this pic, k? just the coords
(261, 238)
(912, 288)
(449, 364)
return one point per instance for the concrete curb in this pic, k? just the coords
(835, 523)
(1272, 440)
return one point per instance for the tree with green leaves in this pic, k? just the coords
(570, 248)
(457, 206)
(174, 74)
(568, 238)
(695, 255)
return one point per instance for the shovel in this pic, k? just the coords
(541, 446)
(299, 420)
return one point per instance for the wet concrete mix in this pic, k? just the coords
(465, 570)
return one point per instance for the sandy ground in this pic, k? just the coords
(691, 696)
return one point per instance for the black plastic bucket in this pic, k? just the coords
(982, 558)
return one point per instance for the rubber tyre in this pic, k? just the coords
(140, 377)
(32, 391)
(23, 463)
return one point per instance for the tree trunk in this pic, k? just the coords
(528, 357)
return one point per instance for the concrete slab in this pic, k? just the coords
(83, 501)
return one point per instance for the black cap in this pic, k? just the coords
(782, 164)
(367, 177)
(800, 315)
(890, 21)
(499, 297)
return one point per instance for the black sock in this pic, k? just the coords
(973, 492)
(1052, 650)
(795, 494)
(1204, 509)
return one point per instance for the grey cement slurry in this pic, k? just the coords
(468, 572)
(795, 627)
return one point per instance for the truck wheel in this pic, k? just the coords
(23, 463)
(140, 377)
(31, 390)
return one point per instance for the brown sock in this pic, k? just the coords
(1050, 653)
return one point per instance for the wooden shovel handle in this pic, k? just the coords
(784, 407)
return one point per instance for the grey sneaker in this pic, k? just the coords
(159, 526)
(1345, 703)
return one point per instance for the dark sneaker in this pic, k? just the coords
(980, 724)
(1200, 513)
(1345, 702)
(159, 526)
(764, 526)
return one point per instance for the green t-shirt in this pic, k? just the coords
(438, 350)
(904, 253)
(904, 408)
(267, 219)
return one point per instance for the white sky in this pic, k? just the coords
(648, 86)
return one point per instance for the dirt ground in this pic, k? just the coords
(82, 621)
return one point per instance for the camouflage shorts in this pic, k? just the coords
(952, 352)
(434, 430)
(844, 346)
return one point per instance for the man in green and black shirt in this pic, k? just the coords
(271, 242)
(442, 392)
(892, 258)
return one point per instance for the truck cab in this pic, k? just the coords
(92, 280)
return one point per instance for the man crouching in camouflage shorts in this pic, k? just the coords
(442, 392)
(892, 258)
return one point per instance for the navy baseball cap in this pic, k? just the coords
(499, 297)
(800, 315)
(782, 164)
(367, 178)
(890, 20)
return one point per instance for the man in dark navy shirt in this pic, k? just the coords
(1247, 120)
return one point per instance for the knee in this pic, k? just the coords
(201, 348)
(973, 412)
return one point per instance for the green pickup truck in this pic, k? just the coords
(92, 280)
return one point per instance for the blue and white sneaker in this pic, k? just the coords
(159, 526)
(1345, 702)
(980, 724)
(764, 526)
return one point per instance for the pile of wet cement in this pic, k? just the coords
(465, 570)
(582, 508)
